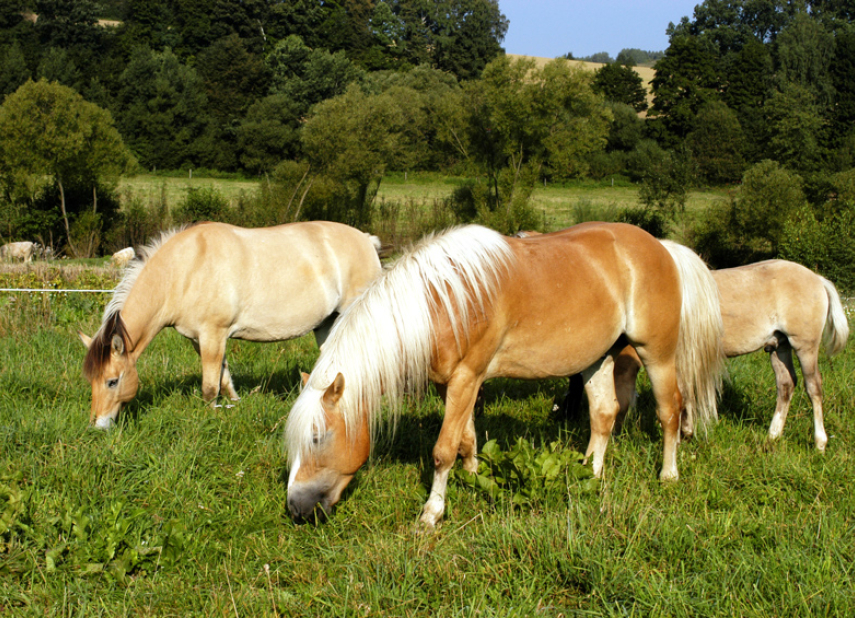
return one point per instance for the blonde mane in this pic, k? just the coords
(382, 343)
(132, 273)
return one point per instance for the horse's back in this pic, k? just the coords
(262, 284)
(573, 293)
(760, 299)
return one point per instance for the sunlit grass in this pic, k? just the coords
(751, 529)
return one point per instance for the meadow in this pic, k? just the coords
(412, 196)
(180, 510)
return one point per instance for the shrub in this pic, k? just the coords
(652, 221)
(769, 195)
(202, 204)
(826, 246)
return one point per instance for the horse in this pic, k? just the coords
(780, 307)
(470, 304)
(122, 257)
(214, 281)
(23, 250)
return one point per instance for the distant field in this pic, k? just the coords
(647, 73)
(556, 203)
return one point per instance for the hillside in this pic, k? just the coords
(646, 73)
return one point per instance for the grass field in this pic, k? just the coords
(180, 510)
(558, 205)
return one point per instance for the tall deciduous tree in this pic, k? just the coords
(621, 84)
(309, 76)
(48, 129)
(163, 109)
(686, 79)
(13, 69)
(524, 121)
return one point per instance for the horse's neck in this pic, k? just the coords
(144, 316)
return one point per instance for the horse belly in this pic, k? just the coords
(538, 349)
(281, 320)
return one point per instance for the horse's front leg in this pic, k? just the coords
(602, 401)
(215, 373)
(456, 436)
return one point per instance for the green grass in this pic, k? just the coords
(558, 205)
(180, 511)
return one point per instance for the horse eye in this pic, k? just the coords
(317, 438)
(112, 382)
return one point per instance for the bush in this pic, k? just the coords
(769, 195)
(652, 221)
(827, 246)
(202, 204)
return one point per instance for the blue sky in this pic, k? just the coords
(551, 28)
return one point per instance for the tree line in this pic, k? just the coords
(322, 98)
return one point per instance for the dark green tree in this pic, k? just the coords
(309, 76)
(69, 23)
(163, 109)
(687, 78)
(13, 69)
(626, 129)
(57, 66)
(805, 51)
(621, 84)
(269, 133)
(794, 125)
(716, 143)
(48, 130)
(841, 70)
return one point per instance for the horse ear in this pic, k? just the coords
(304, 377)
(118, 345)
(86, 339)
(334, 391)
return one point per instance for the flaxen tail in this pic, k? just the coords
(700, 351)
(836, 325)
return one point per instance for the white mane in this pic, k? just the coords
(382, 343)
(133, 270)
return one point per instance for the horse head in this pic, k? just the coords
(325, 452)
(111, 370)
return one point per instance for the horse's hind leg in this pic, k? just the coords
(456, 436)
(781, 358)
(603, 405)
(669, 405)
(813, 384)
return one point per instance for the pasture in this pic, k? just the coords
(180, 510)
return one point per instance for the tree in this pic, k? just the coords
(48, 129)
(57, 66)
(524, 122)
(68, 23)
(842, 69)
(350, 139)
(716, 143)
(794, 124)
(13, 69)
(621, 84)
(268, 134)
(686, 78)
(805, 51)
(163, 109)
(309, 76)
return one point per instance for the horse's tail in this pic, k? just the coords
(836, 325)
(700, 351)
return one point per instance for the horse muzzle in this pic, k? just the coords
(308, 503)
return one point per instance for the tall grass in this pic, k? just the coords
(181, 509)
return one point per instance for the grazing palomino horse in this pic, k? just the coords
(212, 282)
(471, 304)
(781, 307)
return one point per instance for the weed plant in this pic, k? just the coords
(181, 509)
